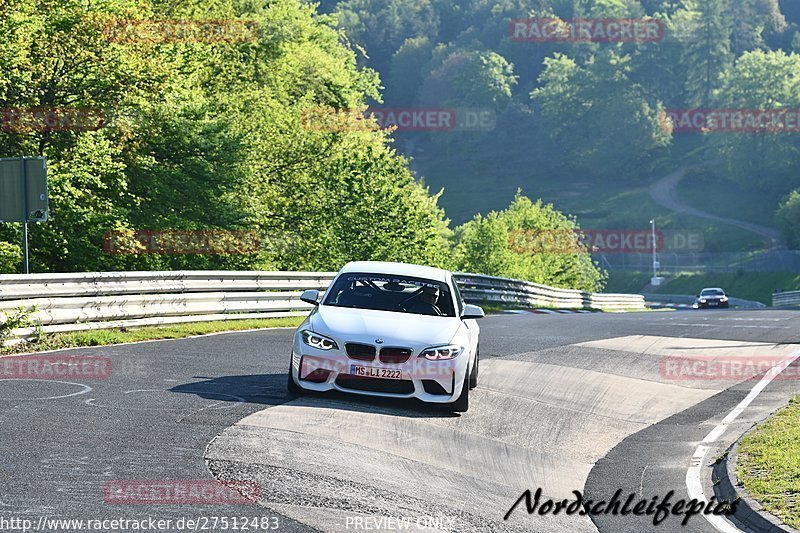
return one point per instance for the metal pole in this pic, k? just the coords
(25, 218)
(655, 270)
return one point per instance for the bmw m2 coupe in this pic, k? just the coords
(391, 330)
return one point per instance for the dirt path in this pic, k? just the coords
(665, 194)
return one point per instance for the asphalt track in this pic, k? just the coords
(564, 403)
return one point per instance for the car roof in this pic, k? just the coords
(712, 289)
(397, 269)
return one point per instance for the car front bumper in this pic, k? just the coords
(712, 305)
(428, 381)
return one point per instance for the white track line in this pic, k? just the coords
(693, 482)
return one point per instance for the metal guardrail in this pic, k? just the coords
(101, 300)
(786, 298)
(686, 299)
(478, 288)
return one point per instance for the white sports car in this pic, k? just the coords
(391, 330)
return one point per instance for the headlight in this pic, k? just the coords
(723, 299)
(315, 340)
(442, 353)
(703, 300)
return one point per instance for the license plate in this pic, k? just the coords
(713, 303)
(372, 372)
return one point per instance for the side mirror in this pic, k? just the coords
(472, 312)
(310, 297)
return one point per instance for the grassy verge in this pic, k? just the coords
(105, 337)
(769, 462)
(757, 286)
(701, 189)
(623, 282)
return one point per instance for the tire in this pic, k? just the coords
(462, 404)
(293, 387)
(473, 376)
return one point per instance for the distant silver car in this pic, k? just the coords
(713, 298)
(391, 330)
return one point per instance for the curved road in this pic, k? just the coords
(564, 403)
(664, 194)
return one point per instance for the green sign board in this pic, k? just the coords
(23, 190)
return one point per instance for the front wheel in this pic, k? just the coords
(473, 376)
(293, 387)
(462, 404)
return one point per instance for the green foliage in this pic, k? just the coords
(707, 50)
(568, 109)
(760, 81)
(788, 218)
(406, 76)
(487, 245)
(18, 318)
(601, 119)
(213, 135)
(10, 258)
(768, 461)
(207, 136)
(382, 26)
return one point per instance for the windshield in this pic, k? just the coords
(712, 292)
(401, 294)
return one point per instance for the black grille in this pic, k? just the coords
(361, 352)
(394, 355)
(389, 386)
(317, 376)
(433, 387)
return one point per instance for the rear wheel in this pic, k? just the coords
(462, 404)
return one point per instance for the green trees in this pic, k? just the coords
(491, 245)
(788, 219)
(760, 80)
(207, 135)
(708, 48)
(213, 135)
(604, 122)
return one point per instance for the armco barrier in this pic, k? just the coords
(478, 288)
(786, 298)
(98, 300)
(686, 299)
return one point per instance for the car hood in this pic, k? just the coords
(396, 329)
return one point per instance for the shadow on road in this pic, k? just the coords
(270, 390)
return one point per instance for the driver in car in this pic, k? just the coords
(425, 303)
